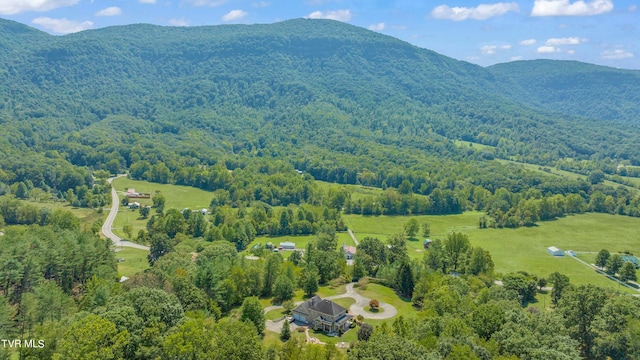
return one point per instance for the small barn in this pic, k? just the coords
(554, 251)
(427, 243)
(287, 245)
(632, 259)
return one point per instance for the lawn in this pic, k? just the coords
(135, 261)
(131, 217)
(523, 248)
(344, 302)
(300, 241)
(275, 315)
(389, 296)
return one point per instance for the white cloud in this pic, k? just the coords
(616, 54)
(492, 49)
(547, 49)
(339, 15)
(178, 22)
(527, 42)
(488, 49)
(147, 1)
(570, 52)
(261, 4)
(481, 12)
(567, 8)
(632, 8)
(62, 26)
(234, 15)
(516, 58)
(110, 11)
(11, 7)
(205, 2)
(377, 27)
(564, 41)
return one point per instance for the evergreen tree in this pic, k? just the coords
(405, 281)
(285, 333)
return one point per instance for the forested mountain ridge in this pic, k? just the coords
(339, 102)
(282, 74)
(574, 88)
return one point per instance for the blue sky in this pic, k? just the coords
(603, 32)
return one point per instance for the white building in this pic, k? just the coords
(554, 251)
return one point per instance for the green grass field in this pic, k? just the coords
(177, 197)
(472, 145)
(135, 261)
(568, 174)
(357, 191)
(523, 248)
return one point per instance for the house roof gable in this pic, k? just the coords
(328, 307)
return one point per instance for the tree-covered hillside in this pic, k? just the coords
(319, 82)
(574, 88)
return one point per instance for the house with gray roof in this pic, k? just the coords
(323, 315)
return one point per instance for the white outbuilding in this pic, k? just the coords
(554, 251)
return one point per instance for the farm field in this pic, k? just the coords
(177, 197)
(523, 248)
(135, 260)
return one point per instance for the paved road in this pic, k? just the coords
(108, 223)
(353, 236)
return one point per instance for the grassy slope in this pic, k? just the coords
(177, 197)
(135, 261)
(566, 174)
(523, 248)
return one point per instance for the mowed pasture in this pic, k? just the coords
(132, 261)
(523, 248)
(176, 196)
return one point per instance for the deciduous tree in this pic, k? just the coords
(253, 312)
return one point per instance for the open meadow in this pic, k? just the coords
(131, 261)
(176, 196)
(523, 248)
